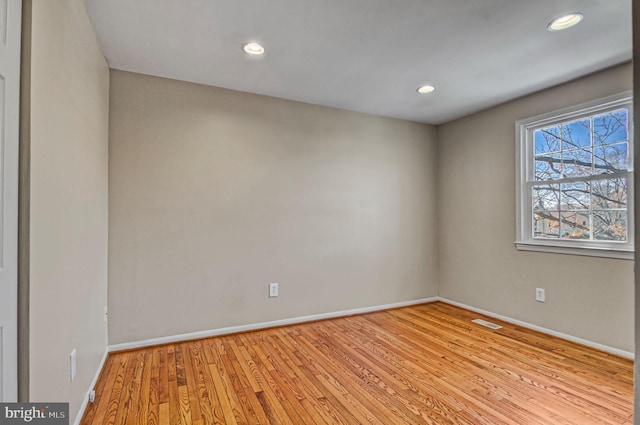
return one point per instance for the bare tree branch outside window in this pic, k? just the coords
(581, 181)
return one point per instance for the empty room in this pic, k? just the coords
(317, 212)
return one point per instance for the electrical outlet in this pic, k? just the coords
(73, 357)
(92, 396)
(540, 295)
(106, 314)
(273, 290)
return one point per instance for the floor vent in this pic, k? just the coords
(487, 324)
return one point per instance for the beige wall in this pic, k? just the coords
(216, 193)
(587, 297)
(69, 148)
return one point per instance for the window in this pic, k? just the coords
(574, 193)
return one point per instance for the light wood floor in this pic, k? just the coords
(427, 364)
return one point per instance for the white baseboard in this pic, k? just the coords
(601, 347)
(263, 325)
(85, 401)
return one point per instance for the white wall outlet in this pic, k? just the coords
(73, 358)
(106, 314)
(540, 295)
(273, 290)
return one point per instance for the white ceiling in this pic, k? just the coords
(367, 55)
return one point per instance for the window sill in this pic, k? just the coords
(622, 254)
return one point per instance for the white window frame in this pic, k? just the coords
(525, 181)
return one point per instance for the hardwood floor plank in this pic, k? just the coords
(125, 409)
(227, 409)
(211, 410)
(95, 411)
(184, 406)
(270, 395)
(163, 376)
(108, 411)
(163, 413)
(191, 383)
(424, 364)
(144, 415)
(174, 396)
(246, 365)
(222, 378)
(154, 388)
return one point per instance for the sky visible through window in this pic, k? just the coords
(581, 181)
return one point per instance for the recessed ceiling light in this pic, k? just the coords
(253, 49)
(565, 21)
(426, 89)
